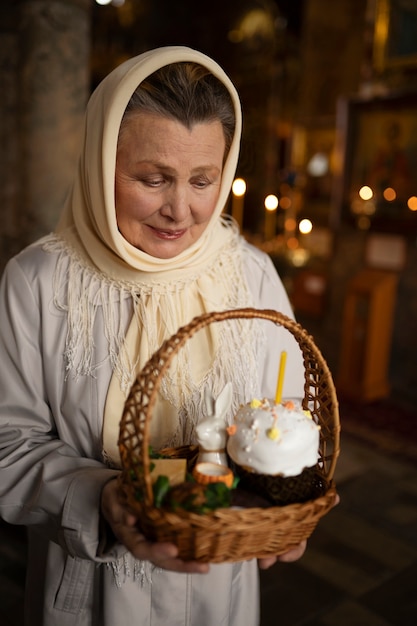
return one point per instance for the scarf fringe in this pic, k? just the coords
(82, 292)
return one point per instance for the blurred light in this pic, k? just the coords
(366, 192)
(299, 256)
(369, 207)
(305, 226)
(285, 202)
(292, 243)
(271, 202)
(389, 194)
(257, 23)
(412, 203)
(239, 187)
(103, 2)
(290, 223)
(318, 164)
(360, 207)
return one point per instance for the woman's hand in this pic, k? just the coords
(292, 555)
(125, 528)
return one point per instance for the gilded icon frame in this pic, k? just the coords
(395, 34)
(373, 135)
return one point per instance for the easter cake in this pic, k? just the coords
(274, 448)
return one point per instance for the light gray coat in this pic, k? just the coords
(52, 470)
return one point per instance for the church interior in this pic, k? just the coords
(328, 173)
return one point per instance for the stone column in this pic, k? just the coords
(52, 80)
(8, 131)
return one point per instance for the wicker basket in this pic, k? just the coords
(226, 534)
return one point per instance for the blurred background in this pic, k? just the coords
(329, 149)
(328, 188)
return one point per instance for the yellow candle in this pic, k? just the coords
(239, 190)
(281, 373)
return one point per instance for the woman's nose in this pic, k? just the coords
(176, 205)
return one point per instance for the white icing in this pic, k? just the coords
(256, 444)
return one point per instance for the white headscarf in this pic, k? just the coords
(99, 270)
(91, 206)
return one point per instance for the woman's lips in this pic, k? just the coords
(168, 234)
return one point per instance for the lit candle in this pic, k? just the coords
(239, 190)
(281, 373)
(271, 205)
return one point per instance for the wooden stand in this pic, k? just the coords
(366, 335)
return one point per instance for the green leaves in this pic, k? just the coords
(192, 496)
(189, 495)
(160, 489)
(217, 497)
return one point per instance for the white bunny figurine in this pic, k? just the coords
(211, 431)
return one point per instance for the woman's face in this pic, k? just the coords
(167, 182)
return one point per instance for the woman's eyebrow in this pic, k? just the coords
(200, 169)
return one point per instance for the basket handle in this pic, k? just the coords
(134, 433)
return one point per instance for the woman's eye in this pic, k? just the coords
(201, 183)
(153, 182)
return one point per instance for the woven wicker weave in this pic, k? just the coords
(226, 534)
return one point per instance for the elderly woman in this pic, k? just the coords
(142, 247)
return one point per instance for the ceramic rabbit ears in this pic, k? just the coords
(218, 407)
